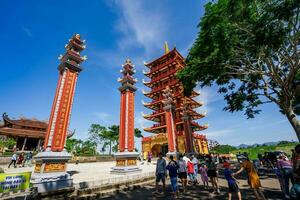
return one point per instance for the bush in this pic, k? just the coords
(7, 142)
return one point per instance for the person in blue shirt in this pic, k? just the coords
(232, 185)
(172, 167)
(160, 172)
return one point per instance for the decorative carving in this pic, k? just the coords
(54, 167)
(131, 162)
(37, 168)
(120, 163)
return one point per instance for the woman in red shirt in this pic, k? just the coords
(191, 171)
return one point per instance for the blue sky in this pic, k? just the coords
(33, 35)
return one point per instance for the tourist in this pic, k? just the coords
(195, 162)
(172, 167)
(28, 159)
(182, 172)
(160, 172)
(253, 178)
(20, 160)
(77, 159)
(232, 182)
(191, 172)
(185, 158)
(13, 160)
(286, 171)
(212, 174)
(295, 190)
(203, 173)
(277, 172)
(149, 157)
(142, 158)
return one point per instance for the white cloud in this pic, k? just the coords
(207, 96)
(27, 31)
(141, 26)
(104, 117)
(140, 121)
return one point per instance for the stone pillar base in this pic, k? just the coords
(50, 171)
(126, 162)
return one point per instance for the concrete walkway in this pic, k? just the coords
(93, 174)
(98, 173)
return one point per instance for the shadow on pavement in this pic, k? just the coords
(194, 192)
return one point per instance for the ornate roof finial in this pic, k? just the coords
(77, 36)
(166, 48)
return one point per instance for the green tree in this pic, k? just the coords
(250, 49)
(73, 145)
(89, 148)
(105, 136)
(108, 137)
(7, 142)
(223, 149)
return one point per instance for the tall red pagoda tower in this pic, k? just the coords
(126, 157)
(51, 164)
(162, 73)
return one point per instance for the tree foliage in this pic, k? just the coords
(250, 49)
(7, 142)
(223, 149)
(80, 147)
(108, 137)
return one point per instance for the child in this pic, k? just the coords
(204, 177)
(191, 172)
(232, 186)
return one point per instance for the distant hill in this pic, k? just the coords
(255, 149)
(267, 147)
(243, 146)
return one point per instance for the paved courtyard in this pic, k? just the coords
(95, 173)
(98, 173)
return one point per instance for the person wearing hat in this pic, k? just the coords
(232, 182)
(253, 178)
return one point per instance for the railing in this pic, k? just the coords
(163, 75)
(164, 86)
(164, 63)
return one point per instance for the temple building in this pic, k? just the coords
(29, 134)
(162, 73)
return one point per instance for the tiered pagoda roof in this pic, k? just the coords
(72, 58)
(162, 73)
(25, 127)
(127, 81)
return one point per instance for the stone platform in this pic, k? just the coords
(94, 174)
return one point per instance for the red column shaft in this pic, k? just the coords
(122, 123)
(52, 112)
(62, 121)
(188, 136)
(130, 118)
(170, 128)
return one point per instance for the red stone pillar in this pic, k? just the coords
(61, 110)
(51, 164)
(126, 135)
(170, 123)
(126, 157)
(188, 132)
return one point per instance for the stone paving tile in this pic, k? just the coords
(271, 191)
